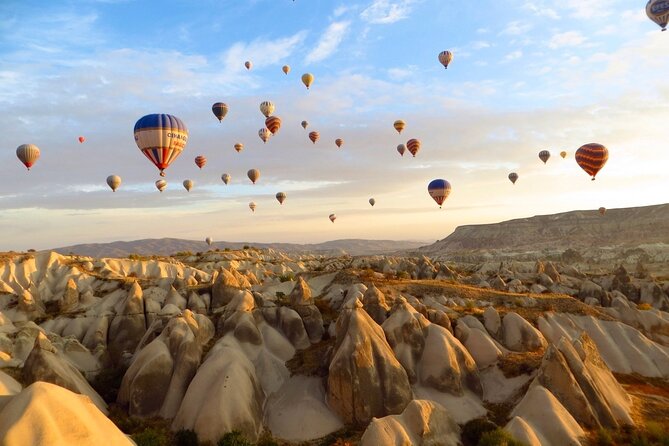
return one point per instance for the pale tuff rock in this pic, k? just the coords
(516, 286)
(224, 289)
(374, 302)
(590, 289)
(423, 423)
(174, 298)
(70, 297)
(129, 324)
(519, 335)
(301, 293)
(365, 380)
(540, 416)
(45, 364)
(492, 321)
(47, 414)
(302, 301)
(478, 342)
(8, 386)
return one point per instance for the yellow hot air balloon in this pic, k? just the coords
(28, 154)
(267, 108)
(307, 79)
(226, 178)
(161, 185)
(239, 147)
(188, 185)
(252, 206)
(286, 69)
(563, 154)
(253, 175)
(399, 125)
(445, 58)
(114, 182)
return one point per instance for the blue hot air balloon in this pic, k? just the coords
(161, 138)
(439, 190)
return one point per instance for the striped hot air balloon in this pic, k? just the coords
(188, 185)
(591, 158)
(267, 108)
(252, 206)
(439, 190)
(220, 110)
(28, 154)
(161, 138)
(445, 58)
(253, 175)
(513, 177)
(273, 124)
(413, 145)
(114, 182)
(313, 136)
(161, 185)
(544, 155)
(658, 12)
(239, 147)
(401, 149)
(200, 161)
(264, 134)
(281, 197)
(399, 125)
(339, 142)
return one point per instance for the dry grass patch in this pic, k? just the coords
(516, 364)
(312, 360)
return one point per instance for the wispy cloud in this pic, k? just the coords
(540, 9)
(262, 52)
(329, 41)
(514, 55)
(566, 39)
(387, 11)
(516, 28)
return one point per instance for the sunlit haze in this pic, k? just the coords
(526, 76)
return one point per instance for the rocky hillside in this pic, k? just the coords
(169, 246)
(577, 230)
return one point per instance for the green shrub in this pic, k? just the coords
(286, 277)
(604, 438)
(246, 247)
(403, 275)
(267, 440)
(186, 437)
(108, 381)
(473, 430)
(151, 437)
(498, 437)
(234, 438)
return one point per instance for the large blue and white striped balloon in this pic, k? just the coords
(439, 190)
(161, 138)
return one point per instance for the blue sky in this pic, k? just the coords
(526, 76)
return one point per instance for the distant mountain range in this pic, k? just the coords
(580, 230)
(169, 246)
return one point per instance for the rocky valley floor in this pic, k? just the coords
(258, 347)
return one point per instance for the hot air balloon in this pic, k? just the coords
(114, 181)
(226, 178)
(266, 108)
(339, 142)
(413, 145)
(513, 176)
(286, 69)
(602, 211)
(252, 206)
(313, 136)
(372, 201)
(200, 161)
(81, 139)
(445, 58)
(28, 154)
(563, 154)
(188, 185)
(305, 124)
(253, 175)
(248, 64)
(307, 79)
(209, 241)
(332, 217)
(592, 157)
(273, 124)
(220, 110)
(658, 12)
(439, 190)
(281, 197)
(161, 138)
(399, 125)
(544, 155)
(239, 147)
(401, 149)
(264, 134)
(161, 185)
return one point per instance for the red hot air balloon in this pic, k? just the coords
(81, 139)
(200, 161)
(313, 136)
(273, 124)
(413, 145)
(591, 158)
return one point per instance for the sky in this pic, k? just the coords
(526, 76)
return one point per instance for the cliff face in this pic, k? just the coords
(629, 227)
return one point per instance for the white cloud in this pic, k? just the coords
(514, 55)
(262, 52)
(329, 42)
(516, 28)
(588, 9)
(541, 10)
(566, 39)
(480, 44)
(387, 11)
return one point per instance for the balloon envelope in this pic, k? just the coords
(253, 175)
(273, 124)
(439, 190)
(248, 64)
(267, 108)
(264, 134)
(513, 176)
(307, 79)
(188, 185)
(413, 145)
(313, 136)
(239, 147)
(161, 185)
(252, 206)
(305, 124)
(82, 139)
(445, 58)
(399, 125)
(563, 154)
(658, 12)
(372, 201)
(339, 142)
(591, 158)
(200, 161)
(161, 138)
(544, 155)
(28, 154)
(332, 217)
(286, 69)
(602, 211)
(226, 178)
(114, 181)
(401, 149)
(209, 241)
(220, 110)
(281, 197)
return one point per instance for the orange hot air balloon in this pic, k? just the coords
(591, 158)
(82, 139)
(273, 124)
(401, 149)
(413, 145)
(239, 147)
(313, 136)
(339, 142)
(286, 69)
(399, 125)
(200, 161)
(248, 64)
